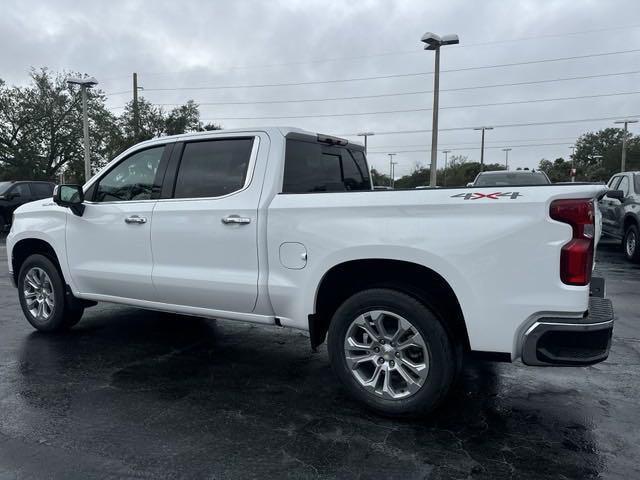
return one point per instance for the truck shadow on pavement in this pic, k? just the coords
(163, 391)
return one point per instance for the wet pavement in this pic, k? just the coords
(136, 394)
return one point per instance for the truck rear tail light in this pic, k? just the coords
(576, 257)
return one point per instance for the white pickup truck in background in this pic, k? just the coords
(281, 226)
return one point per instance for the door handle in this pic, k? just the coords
(235, 219)
(135, 219)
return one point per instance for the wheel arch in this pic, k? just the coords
(630, 219)
(421, 282)
(22, 249)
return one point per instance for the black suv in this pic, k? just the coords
(13, 194)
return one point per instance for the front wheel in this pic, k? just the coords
(42, 296)
(391, 352)
(631, 244)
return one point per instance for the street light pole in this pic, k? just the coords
(365, 135)
(434, 123)
(446, 157)
(506, 157)
(85, 126)
(434, 42)
(573, 162)
(623, 163)
(391, 169)
(482, 146)
(393, 174)
(84, 84)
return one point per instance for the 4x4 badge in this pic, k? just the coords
(492, 196)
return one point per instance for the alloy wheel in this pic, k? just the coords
(38, 294)
(386, 354)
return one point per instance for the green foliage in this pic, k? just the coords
(458, 173)
(589, 167)
(379, 179)
(41, 130)
(557, 171)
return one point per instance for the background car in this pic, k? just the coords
(621, 216)
(501, 178)
(16, 193)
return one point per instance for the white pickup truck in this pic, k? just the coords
(280, 226)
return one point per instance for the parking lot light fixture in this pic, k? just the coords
(506, 157)
(446, 157)
(85, 83)
(482, 146)
(434, 42)
(365, 135)
(626, 122)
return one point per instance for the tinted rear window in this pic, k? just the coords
(511, 178)
(636, 182)
(312, 167)
(213, 168)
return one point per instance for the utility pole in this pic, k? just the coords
(136, 116)
(434, 42)
(391, 164)
(365, 135)
(506, 157)
(482, 146)
(446, 157)
(626, 122)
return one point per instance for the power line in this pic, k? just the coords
(412, 110)
(499, 142)
(407, 52)
(379, 77)
(504, 125)
(476, 148)
(399, 94)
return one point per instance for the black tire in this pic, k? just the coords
(62, 315)
(631, 243)
(443, 354)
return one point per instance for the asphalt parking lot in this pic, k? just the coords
(136, 394)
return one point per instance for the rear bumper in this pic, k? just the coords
(562, 341)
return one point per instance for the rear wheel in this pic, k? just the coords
(42, 296)
(631, 243)
(391, 352)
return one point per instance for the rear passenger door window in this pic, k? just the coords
(41, 190)
(213, 168)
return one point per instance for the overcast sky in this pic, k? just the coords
(199, 43)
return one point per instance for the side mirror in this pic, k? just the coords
(10, 196)
(470, 184)
(70, 196)
(617, 194)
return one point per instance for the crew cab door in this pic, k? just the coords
(109, 246)
(608, 209)
(17, 195)
(204, 235)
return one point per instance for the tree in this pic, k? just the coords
(185, 118)
(558, 171)
(41, 128)
(379, 179)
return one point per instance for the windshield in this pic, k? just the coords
(510, 178)
(4, 186)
